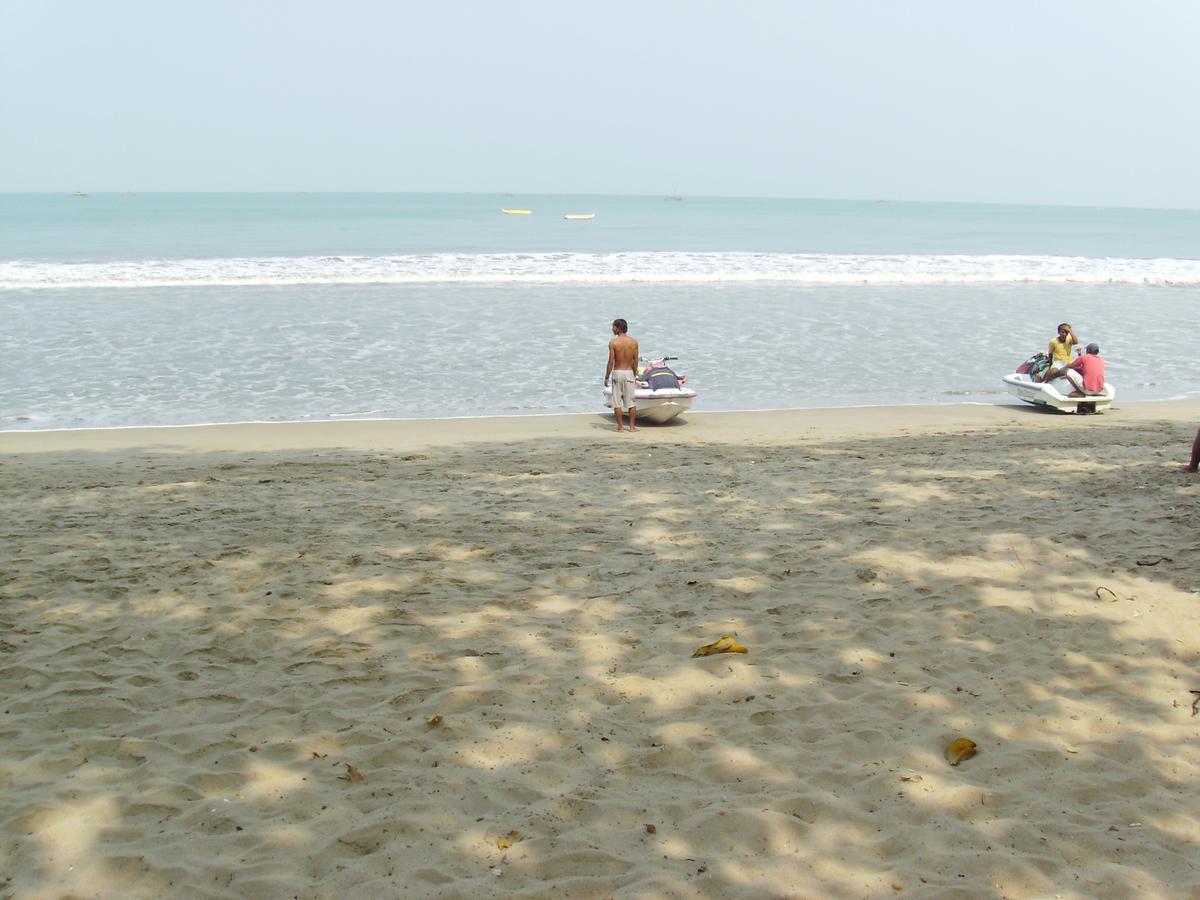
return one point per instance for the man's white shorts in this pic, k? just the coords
(624, 387)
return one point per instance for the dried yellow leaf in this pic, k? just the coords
(959, 749)
(434, 720)
(352, 774)
(725, 645)
(507, 840)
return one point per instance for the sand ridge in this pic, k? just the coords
(197, 643)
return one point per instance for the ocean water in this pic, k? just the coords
(155, 309)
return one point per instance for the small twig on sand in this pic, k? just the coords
(1017, 555)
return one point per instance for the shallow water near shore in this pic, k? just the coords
(186, 309)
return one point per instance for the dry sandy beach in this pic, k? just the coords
(453, 658)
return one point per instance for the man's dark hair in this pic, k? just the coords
(621, 325)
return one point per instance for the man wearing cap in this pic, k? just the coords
(1086, 372)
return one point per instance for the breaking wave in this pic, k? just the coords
(602, 268)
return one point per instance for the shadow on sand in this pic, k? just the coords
(195, 648)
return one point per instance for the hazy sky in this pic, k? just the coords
(1054, 101)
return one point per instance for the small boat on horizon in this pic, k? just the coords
(517, 212)
(79, 193)
(579, 217)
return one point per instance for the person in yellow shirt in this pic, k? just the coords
(1062, 350)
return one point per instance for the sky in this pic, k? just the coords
(1078, 102)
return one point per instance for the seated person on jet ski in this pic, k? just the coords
(1061, 350)
(1086, 373)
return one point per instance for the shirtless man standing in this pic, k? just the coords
(622, 366)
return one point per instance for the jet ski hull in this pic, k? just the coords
(1042, 394)
(658, 406)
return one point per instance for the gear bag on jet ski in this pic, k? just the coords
(659, 377)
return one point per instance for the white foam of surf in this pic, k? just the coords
(601, 268)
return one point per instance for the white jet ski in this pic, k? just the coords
(661, 394)
(1040, 393)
